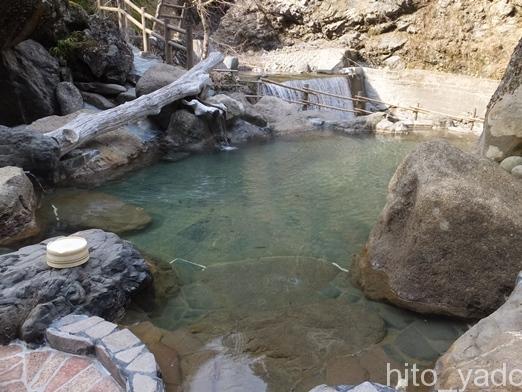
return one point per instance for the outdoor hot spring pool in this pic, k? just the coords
(261, 238)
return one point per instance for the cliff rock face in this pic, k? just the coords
(473, 37)
(449, 240)
(502, 135)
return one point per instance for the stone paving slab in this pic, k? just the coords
(48, 370)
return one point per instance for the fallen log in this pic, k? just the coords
(88, 126)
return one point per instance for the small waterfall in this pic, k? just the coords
(338, 85)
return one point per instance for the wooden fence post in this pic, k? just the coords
(125, 21)
(474, 116)
(360, 104)
(416, 112)
(144, 30)
(306, 96)
(98, 6)
(166, 36)
(189, 45)
(120, 16)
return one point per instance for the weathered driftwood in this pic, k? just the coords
(87, 126)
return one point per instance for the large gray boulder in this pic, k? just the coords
(502, 136)
(158, 76)
(30, 150)
(449, 240)
(491, 344)
(98, 53)
(28, 78)
(17, 206)
(32, 294)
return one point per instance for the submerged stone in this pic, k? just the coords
(84, 209)
(278, 307)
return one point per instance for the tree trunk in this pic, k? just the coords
(87, 126)
(203, 14)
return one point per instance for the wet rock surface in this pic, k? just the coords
(448, 213)
(494, 343)
(242, 131)
(106, 157)
(18, 206)
(77, 210)
(186, 132)
(34, 294)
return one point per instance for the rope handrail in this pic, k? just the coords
(302, 102)
(419, 109)
(359, 98)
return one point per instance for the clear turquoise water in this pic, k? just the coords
(317, 197)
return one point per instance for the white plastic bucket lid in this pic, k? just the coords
(67, 252)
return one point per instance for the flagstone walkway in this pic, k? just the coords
(46, 370)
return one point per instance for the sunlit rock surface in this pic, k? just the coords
(502, 135)
(492, 345)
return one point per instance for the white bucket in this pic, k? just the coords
(67, 252)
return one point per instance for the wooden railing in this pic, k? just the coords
(127, 12)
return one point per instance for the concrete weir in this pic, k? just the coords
(437, 91)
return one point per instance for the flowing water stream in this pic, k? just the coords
(262, 239)
(337, 85)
